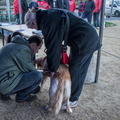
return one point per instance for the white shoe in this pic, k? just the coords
(97, 28)
(72, 105)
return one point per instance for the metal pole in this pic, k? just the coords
(111, 8)
(100, 38)
(8, 9)
(3, 36)
(54, 3)
(20, 15)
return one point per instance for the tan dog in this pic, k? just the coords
(60, 86)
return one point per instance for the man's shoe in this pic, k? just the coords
(29, 99)
(72, 105)
(5, 97)
(37, 90)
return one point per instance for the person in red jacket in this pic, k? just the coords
(43, 4)
(17, 10)
(22, 10)
(72, 4)
(96, 13)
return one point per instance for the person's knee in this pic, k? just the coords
(38, 76)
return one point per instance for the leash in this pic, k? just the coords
(44, 70)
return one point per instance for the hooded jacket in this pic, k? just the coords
(64, 4)
(15, 60)
(98, 4)
(43, 5)
(89, 6)
(82, 37)
(72, 4)
(16, 7)
(81, 7)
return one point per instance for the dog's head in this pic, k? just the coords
(41, 63)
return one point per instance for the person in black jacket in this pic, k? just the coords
(24, 6)
(82, 39)
(63, 4)
(88, 9)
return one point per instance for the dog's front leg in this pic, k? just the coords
(68, 108)
(52, 93)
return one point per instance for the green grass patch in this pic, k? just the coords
(110, 24)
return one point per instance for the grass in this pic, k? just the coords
(109, 24)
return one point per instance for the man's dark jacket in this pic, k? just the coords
(89, 6)
(64, 4)
(82, 37)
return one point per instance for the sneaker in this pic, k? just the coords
(97, 28)
(29, 99)
(72, 105)
(5, 97)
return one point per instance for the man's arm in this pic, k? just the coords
(53, 31)
(24, 60)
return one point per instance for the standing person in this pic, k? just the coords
(64, 4)
(96, 13)
(72, 4)
(24, 6)
(22, 10)
(88, 10)
(33, 5)
(18, 75)
(43, 4)
(82, 39)
(17, 10)
(80, 8)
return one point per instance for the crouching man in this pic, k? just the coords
(17, 72)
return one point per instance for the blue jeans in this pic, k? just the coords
(80, 14)
(78, 69)
(88, 16)
(96, 19)
(27, 85)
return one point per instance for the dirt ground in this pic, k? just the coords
(98, 101)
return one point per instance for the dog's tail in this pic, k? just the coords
(59, 95)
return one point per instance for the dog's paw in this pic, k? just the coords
(69, 110)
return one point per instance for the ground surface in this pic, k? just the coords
(99, 101)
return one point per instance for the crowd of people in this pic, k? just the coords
(86, 9)
(18, 74)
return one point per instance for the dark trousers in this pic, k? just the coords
(27, 85)
(78, 70)
(22, 18)
(88, 16)
(80, 14)
(96, 19)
